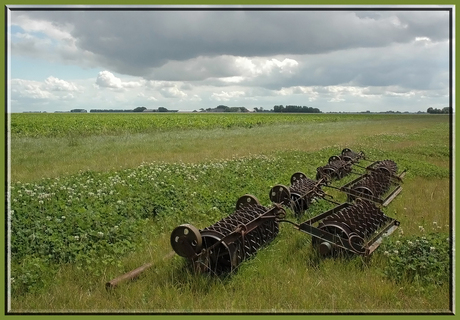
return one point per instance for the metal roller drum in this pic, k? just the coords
(299, 195)
(335, 169)
(223, 246)
(351, 156)
(356, 228)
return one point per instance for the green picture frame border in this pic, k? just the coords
(4, 155)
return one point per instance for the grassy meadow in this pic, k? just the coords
(95, 195)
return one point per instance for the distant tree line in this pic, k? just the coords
(261, 109)
(445, 110)
(110, 110)
(296, 109)
(222, 108)
(138, 109)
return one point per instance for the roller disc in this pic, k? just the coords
(384, 170)
(364, 191)
(356, 242)
(336, 228)
(297, 176)
(247, 200)
(330, 173)
(186, 240)
(280, 194)
(333, 158)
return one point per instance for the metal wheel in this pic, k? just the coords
(186, 240)
(340, 229)
(297, 176)
(384, 170)
(333, 158)
(247, 200)
(280, 194)
(356, 242)
(365, 191)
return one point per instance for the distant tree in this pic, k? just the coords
(278, 108)
(296, 109)
(139, 109)
(233, 109)
(162, 109)
(223, 108)
(445, 110)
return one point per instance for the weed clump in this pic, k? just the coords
(420, 259)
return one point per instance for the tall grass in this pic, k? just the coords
(35, 158)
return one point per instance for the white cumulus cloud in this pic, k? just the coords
(106, 79)
(52, 88)
(226, 95)
(55, 84)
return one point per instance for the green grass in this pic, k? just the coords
(285, 276)
(35, 158)
(74, 125)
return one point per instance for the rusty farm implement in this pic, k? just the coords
(223, 246)
(356, 226)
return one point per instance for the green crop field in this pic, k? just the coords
(61, 125)
(93, 196)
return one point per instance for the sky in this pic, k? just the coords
(338, 59)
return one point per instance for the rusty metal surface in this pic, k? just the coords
(352, 156)
(380, 179)
(335, 169)
(349, 227)
(356, 226)
(233, 239)
(299, 195)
